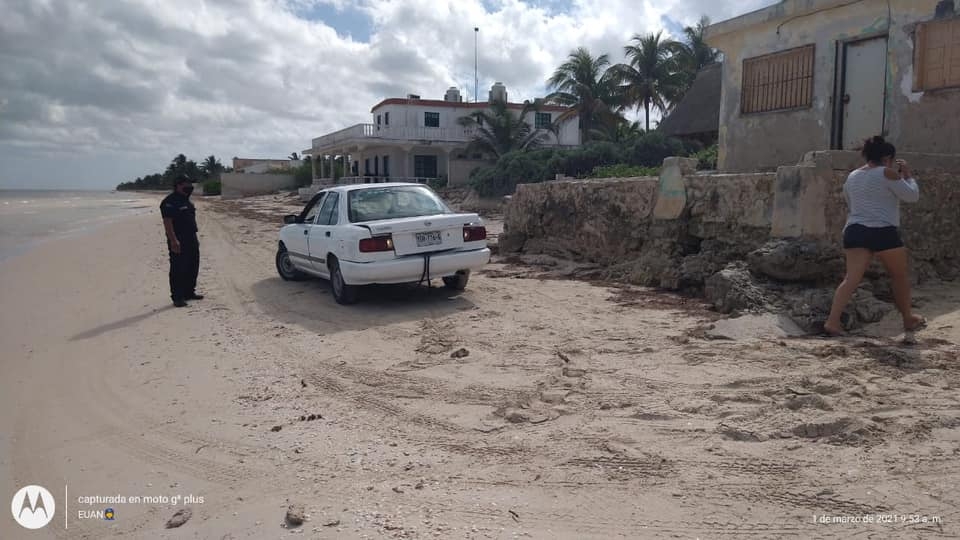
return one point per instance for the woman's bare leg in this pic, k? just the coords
(895, 261)
(857, 262)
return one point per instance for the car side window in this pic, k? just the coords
(328, 214)
(311, 212)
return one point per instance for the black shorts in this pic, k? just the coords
(872, 238)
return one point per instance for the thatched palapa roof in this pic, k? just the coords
(699, 110)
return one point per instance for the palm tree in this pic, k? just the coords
(651, 77)
(586, 85)
(624, 131)
(211, 167)
(498, 130)
(694, 53)
(293, 156)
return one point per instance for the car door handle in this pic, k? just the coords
(306, 232)
(328, 234)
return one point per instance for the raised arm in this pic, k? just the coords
(902, 183)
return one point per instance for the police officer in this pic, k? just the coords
(180, 224)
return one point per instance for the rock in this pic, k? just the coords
(797, 260)
(296, 515)
(553, 396)
(276, 428)
(460, 353)
(751, 326)
(333, 523)
(834, 427)
(868, 308)
(734, 289)
(179, 518)
(515, 416)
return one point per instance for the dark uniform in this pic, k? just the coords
(184, 266)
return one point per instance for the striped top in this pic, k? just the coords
(874, 200)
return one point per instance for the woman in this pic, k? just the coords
(873, 194)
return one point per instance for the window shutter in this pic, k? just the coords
(937, 56)
(778, 81)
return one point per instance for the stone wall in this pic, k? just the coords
(237, 185)
(685, 229)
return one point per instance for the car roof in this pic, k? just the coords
(355, 187)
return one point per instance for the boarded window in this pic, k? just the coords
(778, 81)
(937, 55)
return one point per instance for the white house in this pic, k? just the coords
(413, 139)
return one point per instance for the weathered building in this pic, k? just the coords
(806, 75)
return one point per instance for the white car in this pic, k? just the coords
(364, 234)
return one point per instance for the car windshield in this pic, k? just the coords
(373, 204)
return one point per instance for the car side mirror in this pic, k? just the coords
(292, 218)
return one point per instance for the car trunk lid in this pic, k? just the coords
(424, 234)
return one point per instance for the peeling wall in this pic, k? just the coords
(914, 121)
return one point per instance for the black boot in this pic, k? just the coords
(179, 302)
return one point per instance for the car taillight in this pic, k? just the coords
(377, 243)
(474, 233)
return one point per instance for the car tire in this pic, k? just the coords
(457, 282)
(285, 266)
(344, 294)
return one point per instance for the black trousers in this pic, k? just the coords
(184, 267)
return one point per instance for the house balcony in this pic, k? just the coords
(369, 134)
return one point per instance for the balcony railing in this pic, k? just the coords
(394, 133)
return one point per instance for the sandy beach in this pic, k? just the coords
(530, 406)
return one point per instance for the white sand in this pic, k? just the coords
(580, 411)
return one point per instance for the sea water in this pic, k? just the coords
(30, 216)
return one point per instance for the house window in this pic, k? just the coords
(431, 119)
(778, 81)
(378, 119)
(386, 165)
(366, 167)
(386, 119)
(937, 55)
(542, 120)
(376, 165)
(425, 166)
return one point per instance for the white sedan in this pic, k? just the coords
(364, 234)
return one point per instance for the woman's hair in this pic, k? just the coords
(875, 149)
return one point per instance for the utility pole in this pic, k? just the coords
(476, 58)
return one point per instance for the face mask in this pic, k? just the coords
(187, 190)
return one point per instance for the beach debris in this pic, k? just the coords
(460, 353)
(303, 383)
(179, 518)
(333, 523)
(514, 515)
(310, 417)
(553, 396)
(396, 489)
(563, 356)
(574, 372)
(296, 515)
(276, 428)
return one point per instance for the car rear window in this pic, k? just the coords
(373, 204)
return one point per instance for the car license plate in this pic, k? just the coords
(429, 239)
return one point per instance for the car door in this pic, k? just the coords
(297, 240)
(322, 235)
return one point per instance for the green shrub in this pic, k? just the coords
(211, 187)
(707, 158)
(437, 183)
(622, 170)
(650, 149)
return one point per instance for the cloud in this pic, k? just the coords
(115, 89)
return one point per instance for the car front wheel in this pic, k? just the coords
(344, 294)
(285, 266)
(457, 282)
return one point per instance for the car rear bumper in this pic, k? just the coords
(410, 269)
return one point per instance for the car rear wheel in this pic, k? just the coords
(285, 266)
(457, 282)
(344, 294)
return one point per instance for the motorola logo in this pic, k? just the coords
(33, 507)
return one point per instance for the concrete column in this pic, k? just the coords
(313, 168)
(406, 161)
(448, 153)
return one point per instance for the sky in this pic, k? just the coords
(96, 92)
